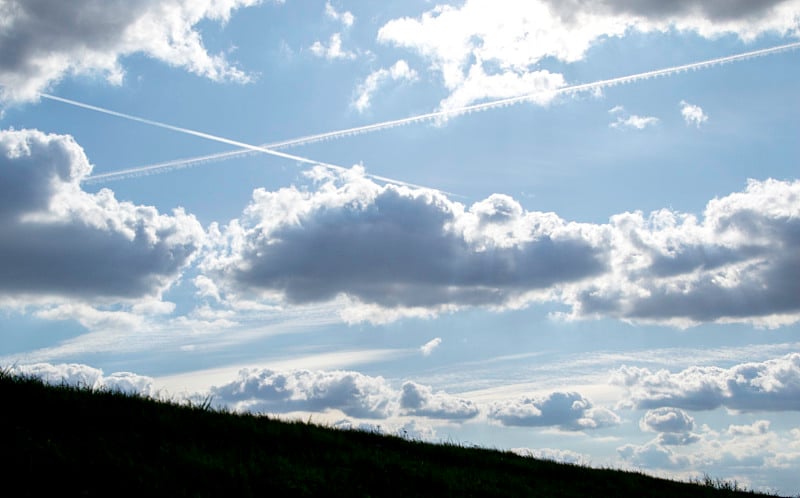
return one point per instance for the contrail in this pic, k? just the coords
(182, 163)
(215, 138)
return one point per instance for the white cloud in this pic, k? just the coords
(92, 37)
(485, 49)
(84, 376)
(634, 121)
(416, 399)
(427, 348)
(333, 50)
(567, 410)
(59, 243)
(346, 18)
(400, 71)
(771, 385)
(693, 114)
(757, 428)
(666, 420)
(554, 454)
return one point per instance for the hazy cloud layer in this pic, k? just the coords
(57, 240)
(568, 410)
(772, 385)
(489, 49)
(399, 251)
(41, 41)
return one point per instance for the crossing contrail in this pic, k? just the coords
(358, 130)
(216, 138)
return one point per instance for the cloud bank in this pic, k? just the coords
(58, 242)
(400, 251)
(772, 385)
(42, 41)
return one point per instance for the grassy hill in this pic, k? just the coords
(63, 441)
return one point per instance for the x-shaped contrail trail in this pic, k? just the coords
(216, 138)
(271, 148)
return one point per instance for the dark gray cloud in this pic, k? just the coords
(568, 410)
(416, 399)
(263, 390)
(43, 40)
(667, 419)
(400, 248)
(57, 240)
(713, 10)
(674, 425)
(740, 263)
(772, 385)
(652, 455)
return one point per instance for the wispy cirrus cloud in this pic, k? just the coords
(399, 71)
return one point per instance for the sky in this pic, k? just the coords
(566, 229)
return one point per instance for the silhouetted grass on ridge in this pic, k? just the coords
(68, 441)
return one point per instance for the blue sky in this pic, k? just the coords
(608, 276)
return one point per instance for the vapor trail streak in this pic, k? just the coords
(215, 138)
(182, 163)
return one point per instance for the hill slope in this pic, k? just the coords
(76, 442)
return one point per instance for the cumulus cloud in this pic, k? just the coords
(485, 49)
(388, 251)
(693, 114)
(263, 390)
(652, 455)
(666, 420)
(772, 385)
(427, 348)
(42, 41)
(673, 424)
(333, 50)
(567, 410)
(555, 455)
(740, 16)
(634, 121)
(399, 71)
(57, 241)
(398, 248)
(739, 264)
(757, 428)
(84, 376)
(420, 400)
